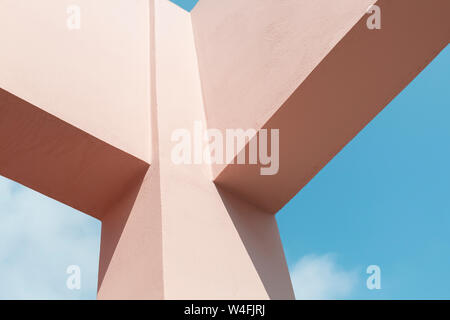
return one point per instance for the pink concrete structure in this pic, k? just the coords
(87, 116)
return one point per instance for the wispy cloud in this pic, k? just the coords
(320, 277)
(39, 238)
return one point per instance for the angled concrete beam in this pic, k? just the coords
(341, 77)
(254, 54)
(95, 78)
(61, 161)
(88, 144)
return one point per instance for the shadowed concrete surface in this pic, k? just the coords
(61, 161)
(350, 86)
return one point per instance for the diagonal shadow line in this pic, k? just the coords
(259, 233)
(121, 212)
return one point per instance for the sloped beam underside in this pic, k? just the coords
(61, 161)
(349, 87)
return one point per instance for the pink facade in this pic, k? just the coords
(88, 114)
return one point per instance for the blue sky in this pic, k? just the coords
(383, 200)
(186, 4)
(39, 239)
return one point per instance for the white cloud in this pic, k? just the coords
(39, 238)
(319, 277)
